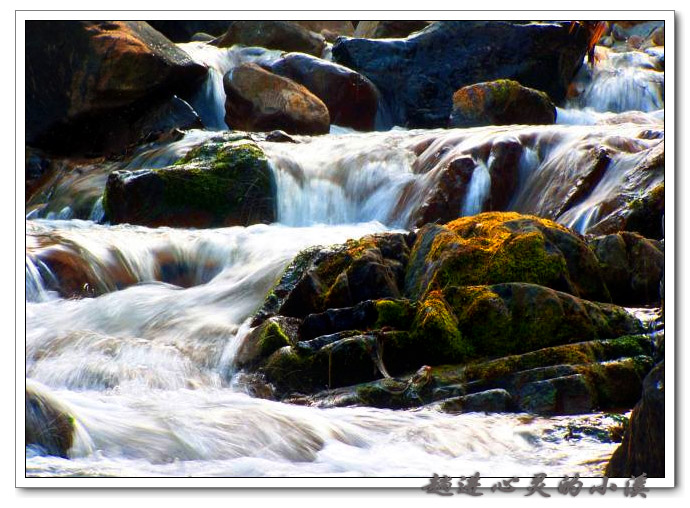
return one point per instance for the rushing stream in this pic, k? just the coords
(145, 365)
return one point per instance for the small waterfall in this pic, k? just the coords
(478, 190)
(209, 101)
(618, 82)
(35, 287)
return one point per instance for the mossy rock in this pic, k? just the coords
(265, 339)
(501, 102)
(646, 213)
(215, 184)
(340, 276)
(496, 247)
(516, 318)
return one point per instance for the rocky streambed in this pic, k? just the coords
(288, 248)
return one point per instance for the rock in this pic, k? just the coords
(388, 29)
(632, 267)
(515, 318)
(320, 278)
(643, 446)
(501, 102)
(330, 30)
(272, 34)
(351, 98)
(429, 66)
(495, 247)
(48, 425)
(265, 339)
(258, 100)
(344, 362)
(215, 184)
(170, 115)
(489, 401)
(87, 81)
(646, 213)
(564, 395)
(178, 30)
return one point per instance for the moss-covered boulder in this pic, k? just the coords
(273, 334)
(500, 102)
(321, 278)
(515, 318)
(496, 247)
(215, 184)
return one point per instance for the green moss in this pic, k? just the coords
(272, 339)
(397, 314)
(207, 177)
(435, 330)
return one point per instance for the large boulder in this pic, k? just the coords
(417, 76)
(500, 102)
(351, 98)
(88, 81)
(215, 184)
(258, 100)
(272, 34)
(495, 247)
(644, 444)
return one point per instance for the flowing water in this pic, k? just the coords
(144, 359)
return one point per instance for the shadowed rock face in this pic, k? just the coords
(643, 447)
(88, 81)
(417, 76)
(258, 100)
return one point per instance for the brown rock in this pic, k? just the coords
(351, 98)
(271, 34)
(258, 100)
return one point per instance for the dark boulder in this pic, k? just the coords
(417, 76)
(87, 82)
(258, 100)
(272, 34)
(632, 267)
(215, 184)
(644, 444)
(500, 102)
(351, 98)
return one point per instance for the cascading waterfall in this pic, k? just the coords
(143, 359)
